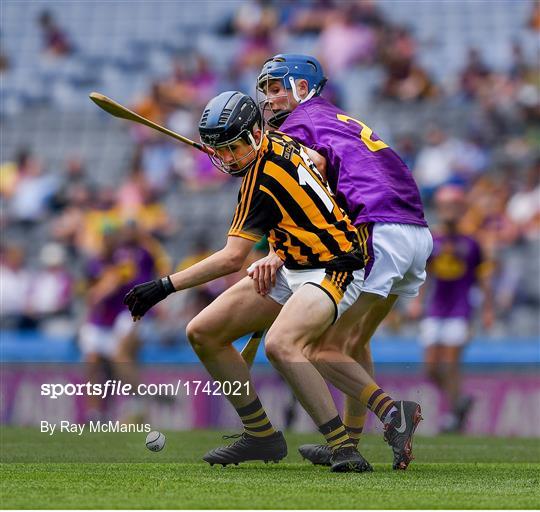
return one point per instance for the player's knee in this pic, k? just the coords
(199, 336)
(280, 349)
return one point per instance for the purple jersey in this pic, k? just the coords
(453, 266)
(370, 180)
(136, 264)
(133, 265)
(105, 312)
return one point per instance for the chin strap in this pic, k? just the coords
(248, 167)
(254, 145)
(295, 93)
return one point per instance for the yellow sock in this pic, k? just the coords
(376, 400)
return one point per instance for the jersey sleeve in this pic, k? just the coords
(483, 266)
(256, 213)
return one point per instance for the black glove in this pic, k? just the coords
(143, 296)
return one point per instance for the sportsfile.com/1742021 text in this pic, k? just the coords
(119, 388)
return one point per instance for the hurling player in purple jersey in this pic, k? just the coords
(376, 189)
(104, 301)
(142, 258)
(108, 334)
(455, 266)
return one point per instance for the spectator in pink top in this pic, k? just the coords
(343, 42)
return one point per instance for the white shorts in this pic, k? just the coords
(105, 340)
(343, 288)
(97, 339)
(397, 256)
(450, 332)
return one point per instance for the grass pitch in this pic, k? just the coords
(116, 471)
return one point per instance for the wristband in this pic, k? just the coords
(167, 285)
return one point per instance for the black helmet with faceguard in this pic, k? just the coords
(226, 119)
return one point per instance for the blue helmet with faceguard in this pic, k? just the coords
(288, 67)
(228, 117)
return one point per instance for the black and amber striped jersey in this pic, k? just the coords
(284, 197)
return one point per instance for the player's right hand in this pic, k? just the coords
(143, 296)
(263, 272)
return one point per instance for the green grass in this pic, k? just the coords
(116, 471)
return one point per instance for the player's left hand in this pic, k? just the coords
(263, 273)
(143, 296)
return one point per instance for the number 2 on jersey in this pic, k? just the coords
(365, 134)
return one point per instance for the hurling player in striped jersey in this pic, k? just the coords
(282, 196)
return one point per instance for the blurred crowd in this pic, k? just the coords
(494, 157)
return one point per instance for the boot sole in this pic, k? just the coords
(266, 459)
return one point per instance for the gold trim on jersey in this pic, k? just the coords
(330, 286)
(336, 284)
(363, 236)
(246, 235)
(252, 178)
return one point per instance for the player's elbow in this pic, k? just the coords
(233, 261)
(234, 254)
(238, 262)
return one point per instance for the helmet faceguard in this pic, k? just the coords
(287, 68)
(228, 120)
(224, 155)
